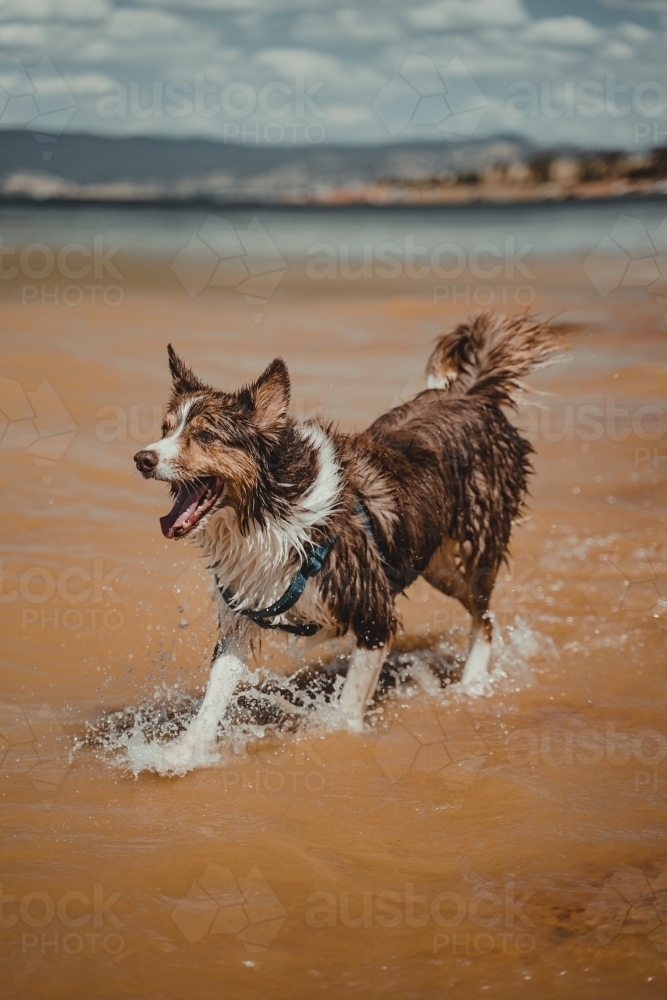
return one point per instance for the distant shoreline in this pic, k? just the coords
(485, 202)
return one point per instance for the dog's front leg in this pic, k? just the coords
(227, 668)
(360, 684)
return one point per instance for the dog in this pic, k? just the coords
(310, 530)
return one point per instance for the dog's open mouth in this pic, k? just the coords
(192, 502)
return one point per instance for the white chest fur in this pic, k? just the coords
(259, 566)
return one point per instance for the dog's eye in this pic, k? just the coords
(206, 437)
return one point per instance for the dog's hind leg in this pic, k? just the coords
(360, 684)
(476, 669)
(447, 572)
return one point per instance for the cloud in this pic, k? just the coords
(348, 53)
(86, 83)
(130, 25)
(656, 5)
(239, 6)
(346, 26)
(54, 10)
(563, 31)
(144, 38)
(221, 6)
(451, 14)
(634, 34)
(24, 36)
(615, 50)
(286, 62)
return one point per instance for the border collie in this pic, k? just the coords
(310, 530)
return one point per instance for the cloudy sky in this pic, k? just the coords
(590, 73)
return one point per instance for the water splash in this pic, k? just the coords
(265, 704)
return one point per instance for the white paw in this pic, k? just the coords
(355, 724)
(476, 685)
(474, 688)
(179, 756)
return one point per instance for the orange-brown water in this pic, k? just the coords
(505, 846)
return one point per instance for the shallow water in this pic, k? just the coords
(507, 845)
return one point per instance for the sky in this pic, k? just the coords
(589, 74)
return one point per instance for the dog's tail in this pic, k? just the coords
(490, 355)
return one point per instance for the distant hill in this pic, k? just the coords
(140, 167)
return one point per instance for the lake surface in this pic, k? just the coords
(511, 845)
(553, 228)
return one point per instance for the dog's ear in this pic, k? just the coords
(184, 378)
(271, 395)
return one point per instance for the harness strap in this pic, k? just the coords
(397, 581)
(310, 567)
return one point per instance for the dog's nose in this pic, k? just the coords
(146, 461)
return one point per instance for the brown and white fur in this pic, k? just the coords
(441, 479)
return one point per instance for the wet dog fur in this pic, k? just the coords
(431, 488)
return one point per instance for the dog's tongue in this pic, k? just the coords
(184, 507)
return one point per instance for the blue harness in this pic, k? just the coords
(311, 566)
